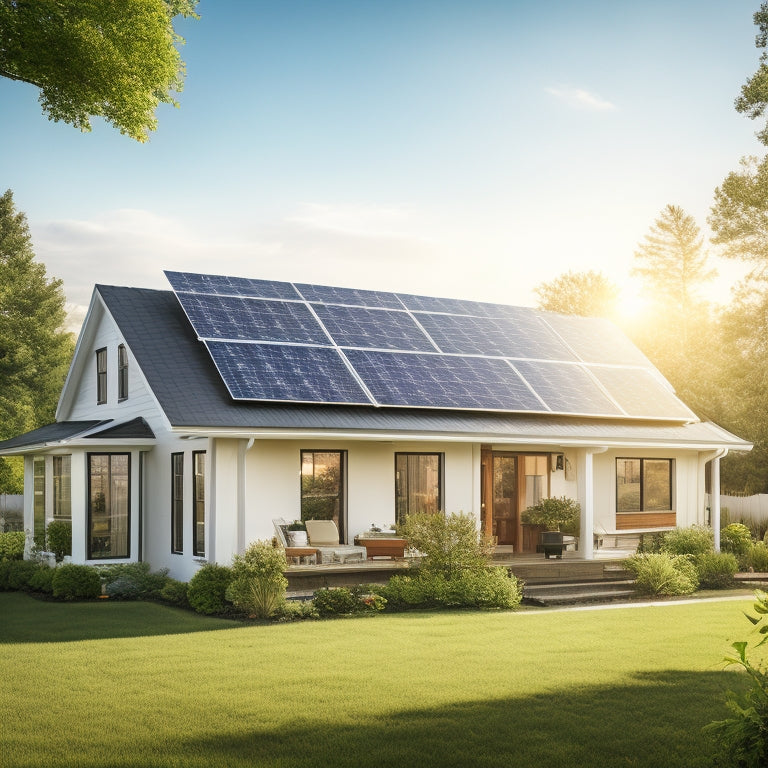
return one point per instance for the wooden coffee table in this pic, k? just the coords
(301, 553)
(382, 547)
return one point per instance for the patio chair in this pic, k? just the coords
(324, 537)
(308, 554)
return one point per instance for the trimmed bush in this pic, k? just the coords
(737, 539)
(757, 557)
(296, 610)
(208, 589)
(175, 592)
(59, 537)
(124, 588)
(145, 582)
(716, 569)
(18, 574)
(258, 583)
(42, 580)
(76, 582)
(695, 540)
(661, 573)
(331, 601)
(12, 545)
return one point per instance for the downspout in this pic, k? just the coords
(714, 500)
(587, 522)
(242, 450)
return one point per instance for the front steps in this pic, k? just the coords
(578, 592)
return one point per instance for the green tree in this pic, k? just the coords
(754, 93)
(96, 58)
(590, 294)
(34, 349)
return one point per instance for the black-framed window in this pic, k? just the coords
(177, 503)
(198, 503)
(62, 487)
(38, 505)
(101, 376)
(109, 505)
(418, 484)
(323, 487)
(643, 485)
(122, 372)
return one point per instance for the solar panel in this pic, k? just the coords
(442, 381)
(319, 344)
(285, 373)
(356, 298)
(567, 388)
(230, 317)
(523, 336)
(230, 286)
(372, 328)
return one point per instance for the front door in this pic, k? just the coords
(510, 484)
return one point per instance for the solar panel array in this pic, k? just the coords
(294, 342)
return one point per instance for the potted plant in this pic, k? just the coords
(297, 533)
(553, 514)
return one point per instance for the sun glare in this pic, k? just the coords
(631, 304)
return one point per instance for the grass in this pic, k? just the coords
(136, 684)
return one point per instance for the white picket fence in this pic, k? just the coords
(750, 510)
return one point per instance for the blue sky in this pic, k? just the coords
(469, 149)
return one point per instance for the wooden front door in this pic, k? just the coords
(510, 483)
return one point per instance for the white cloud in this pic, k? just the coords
(581, 98)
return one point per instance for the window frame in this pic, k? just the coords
(101, 376)
(62, 486)
(440, 482)
(122, 373)
(177, 504)
(198, 502)
(39, 500)
(642, 505)
(89, 501)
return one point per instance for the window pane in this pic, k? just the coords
(62, 487)
(122, 372)
(628, 485)
(657, 490)
(109, 505)
(38, 472)
(198, 483)
(417, 484)
(322, 496)
(101, 376)
(177, 502)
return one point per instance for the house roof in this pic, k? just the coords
(188, 388)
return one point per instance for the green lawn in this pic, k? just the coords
(136, 684)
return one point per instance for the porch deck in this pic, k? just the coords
(531, 568)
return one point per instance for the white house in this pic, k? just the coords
(191, 418)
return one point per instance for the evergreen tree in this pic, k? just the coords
(34, 349)
(590, 294)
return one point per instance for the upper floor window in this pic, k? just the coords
(643, 485)
(122, 372)
(101, 375)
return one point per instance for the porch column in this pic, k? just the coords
(714, 501)
(586, 493)
(242, 449)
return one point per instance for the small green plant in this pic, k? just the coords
(124, 588)
(297, 610)
(208, 589)
(42, 580)
(258, 582)
(137, 580)
(12, 545)
(554, 514)
(757, 557)
(17, 574)
(716, 569)
(59, 538)
(341, 601)
(660, 573)
(297, 525)
(737, 539)
(76, 582)
(651, 542)
(175, 592)
(742, 740)
(694, 540)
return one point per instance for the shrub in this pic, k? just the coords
(208, 588)
(716, 569)
(296, 610)
(5, 570)
(12, 545)
(18, 573)
(554, 514)
(76, 582)
(695, 540)
(451, 543)
(175, 592)
(258, 582)
(757, 557)
(663, 574)
(42, 580)
(59, 538)
(736, 538)
(741, 739)
(124, 588)
(331, 601)
(651, 542)
(146, 583)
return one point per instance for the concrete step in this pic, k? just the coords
(578, 592)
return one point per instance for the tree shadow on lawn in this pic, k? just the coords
(29, 620)
(653, 720)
